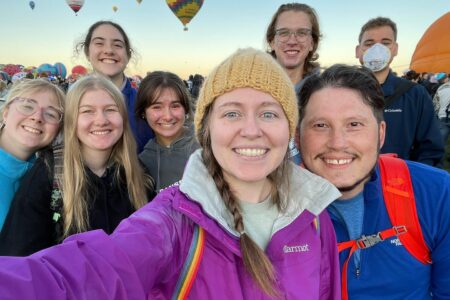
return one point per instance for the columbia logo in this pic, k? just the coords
(299, 248)
(393, 110)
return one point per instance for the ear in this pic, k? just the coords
(394, 49)
(382, 133)
(5, 113)
(357, 51)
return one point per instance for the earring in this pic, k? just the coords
(186, 117)
(143, 117)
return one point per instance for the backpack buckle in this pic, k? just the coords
(400, 229)
(369, 240)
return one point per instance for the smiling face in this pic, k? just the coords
(340, 138)
(107, 52)
(249, 135)
(99, 124)
(292, 53)
(166, 116)
(23, 135)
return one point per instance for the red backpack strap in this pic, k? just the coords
(401, 205)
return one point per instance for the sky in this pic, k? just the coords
(48, 33)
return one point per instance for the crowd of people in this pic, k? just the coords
(270, 178)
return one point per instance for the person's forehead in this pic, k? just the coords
(293, 19)
(380, 32)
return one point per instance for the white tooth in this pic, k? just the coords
(251, 152)
(100, 132)
(32, 130)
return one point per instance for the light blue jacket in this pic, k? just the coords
(11, 171)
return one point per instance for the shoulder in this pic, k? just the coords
(430, 176)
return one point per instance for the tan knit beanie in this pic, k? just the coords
(249, 68)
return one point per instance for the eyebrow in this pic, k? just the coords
(239, 104)
(103, 39)
(37, 102)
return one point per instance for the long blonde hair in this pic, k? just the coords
(73, 178)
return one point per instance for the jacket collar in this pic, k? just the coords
(305, 192)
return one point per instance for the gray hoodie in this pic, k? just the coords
(166, 164)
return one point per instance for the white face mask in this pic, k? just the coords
(377, 57)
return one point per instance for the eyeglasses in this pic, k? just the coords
(300, 34)
(27, 107)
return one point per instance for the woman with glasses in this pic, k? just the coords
(100, 183)
(29, 121)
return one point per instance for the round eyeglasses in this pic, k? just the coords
(27, 107)
(300, 34)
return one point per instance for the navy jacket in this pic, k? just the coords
(412, 127)
(141, 131)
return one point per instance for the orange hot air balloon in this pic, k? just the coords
(185, 10)
(432, 53)
(75, 5)
(115, 8)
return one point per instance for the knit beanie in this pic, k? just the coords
(249, 68)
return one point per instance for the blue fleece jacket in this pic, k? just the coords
(141, 131)
(412, 129)
(387, 270)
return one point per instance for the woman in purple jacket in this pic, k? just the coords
(244, 223)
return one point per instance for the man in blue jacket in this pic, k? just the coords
(341, 132)
(412, 127)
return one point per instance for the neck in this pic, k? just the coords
(17, 152)
(251, 192)
(118, 80)
(295, 74)
(96, 161)
(382, 75)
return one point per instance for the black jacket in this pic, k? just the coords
(29, 227)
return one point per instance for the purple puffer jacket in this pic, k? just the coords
(143, 258)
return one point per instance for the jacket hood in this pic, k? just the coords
(183, 142)
(305, 191)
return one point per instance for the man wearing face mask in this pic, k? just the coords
(412, 130)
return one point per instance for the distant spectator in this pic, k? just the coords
(412, 130)
(412, 76)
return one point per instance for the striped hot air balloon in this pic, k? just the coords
(185, 10)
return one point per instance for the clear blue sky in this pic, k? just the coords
(48, 33)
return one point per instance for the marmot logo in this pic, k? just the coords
(299, 248)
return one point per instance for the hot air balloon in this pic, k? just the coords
(185, 10)
(79, 70)
(432, 53)
(114, 8)
(139, 1)
(75, 5)
(47, 69)
(60, 69)
(32, 5)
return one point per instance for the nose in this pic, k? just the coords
(38, 116)
(167, 114)
(337, 139)
(107, 48)
(101, 119)
(251, 128)
(292, 38)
